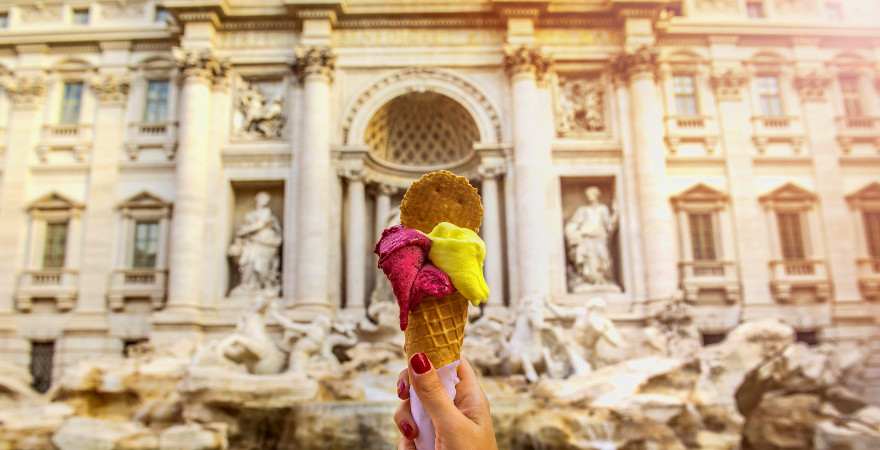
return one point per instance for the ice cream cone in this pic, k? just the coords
(436, 325)
(436, 328)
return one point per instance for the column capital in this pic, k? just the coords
(110, 89)
(527, 60)
(201, 65)
(811, 86)
(729, 84)
(385, 189)
(640, 62)
(350, 173)
(26, 91)
(491, 171)
(314, 61)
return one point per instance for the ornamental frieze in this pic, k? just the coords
(527, 59)
(25, 91)
(316, 60)
(111, 88)
(729, 85)
(201, 64)
(641, 61)
(812, 86)
(416, 37)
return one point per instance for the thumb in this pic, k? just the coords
(430, 390)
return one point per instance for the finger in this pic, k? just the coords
(404, 420)
(405, 444)
(430, 390)
(403, 384)
(469, 396)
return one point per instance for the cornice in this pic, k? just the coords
(95, 34)
(743, 28)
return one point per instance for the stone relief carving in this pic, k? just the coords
(587, 237)
(812, 86)
(40, 12)
(25, 91)
(111, 88)
(122, 9)
(259, 110)
(255, 249)
(591, 339)
(580, 106)
(718, 6)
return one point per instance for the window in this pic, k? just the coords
(769, 96)
(755, 9)
(71, 102)
(162, 15)
(849, 89)
(4, 20)
(685, 92)
(702, 236)
(791, 235)
(42, 354)
(156, 108)
(55, 245)
(833, 10)
(872, 233)
(146, 244)
(81, 16)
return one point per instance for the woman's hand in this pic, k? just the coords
(460, 424)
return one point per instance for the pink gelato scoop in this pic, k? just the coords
(403, 256)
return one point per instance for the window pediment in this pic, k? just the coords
(866, 197)
(54, 201)
(788, 195)
(145, 202)
(700, 196)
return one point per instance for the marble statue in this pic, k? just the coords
(587, 234)
(257, 117)
(534, 344)
(256, 251)
(580, 107)
(307, 342)
(248, 349)
(590, 329)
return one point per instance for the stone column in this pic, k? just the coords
(27, 95)
(532, 166)
(658, 228)
(355, 239)
(383, 206)
(839, 239)
(730, 87)
(314, 66)
(186, 261)
(492, 232)
(100, 215)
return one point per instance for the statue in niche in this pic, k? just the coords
(256, 116)
(255, 249)
(587, 236)
(581, 107)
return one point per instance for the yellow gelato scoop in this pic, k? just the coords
(460, 253)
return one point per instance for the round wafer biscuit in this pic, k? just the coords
(441, 196)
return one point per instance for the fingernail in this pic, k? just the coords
(420, 363)
(408, 431)
(401, 389)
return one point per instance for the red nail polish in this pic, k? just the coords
(401, 390)
(408, 431)
(420, 363)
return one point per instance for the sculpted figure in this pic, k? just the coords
(257, 117)
(581, 107)
(533, 342)
(249, 349)
(590, 329)
(255, 248)
(305, 341)
(587, 234)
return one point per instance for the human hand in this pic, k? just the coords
(463, 423)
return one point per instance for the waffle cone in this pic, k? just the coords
(436, 325)
(436, 328)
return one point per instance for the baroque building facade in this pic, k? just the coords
(726, 152)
